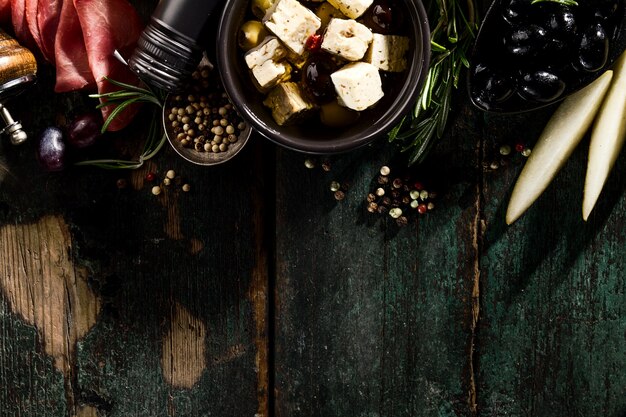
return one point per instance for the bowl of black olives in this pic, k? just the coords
(532, 53)
(250, 31)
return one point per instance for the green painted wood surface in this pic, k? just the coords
(282, 301)
(372, 320)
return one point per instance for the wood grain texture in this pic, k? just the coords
(151, 264)
(372, 320)
(258, 294)
(553, 317)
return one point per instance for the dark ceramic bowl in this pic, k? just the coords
(488, 48)
(313, 137)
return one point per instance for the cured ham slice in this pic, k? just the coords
(20, 26)
(72, 65)
(109, 25)
(30, 14)
(48, 14)
(5, 11)
(79, 37)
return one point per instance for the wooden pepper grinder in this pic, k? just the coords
(18, 69)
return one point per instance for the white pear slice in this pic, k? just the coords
(559, 138)
(607, 137)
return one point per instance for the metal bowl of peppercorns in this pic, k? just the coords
(201, 123)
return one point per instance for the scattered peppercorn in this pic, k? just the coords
(395, 212)
(402, 221)
(309, 163)
(156, 190)
(402, 198)
(186, 187)
(150, 176)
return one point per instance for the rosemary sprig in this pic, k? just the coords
(451, 40)
(155, 141)
(127, 95)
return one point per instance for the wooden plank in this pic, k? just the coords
(180, 307)
(116, 302)
(552, 324)
(372, 320)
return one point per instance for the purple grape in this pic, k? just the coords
(84, 130)
(51, 150)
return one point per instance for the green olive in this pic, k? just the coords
(259, 7)
(251, 33)
(326, 11)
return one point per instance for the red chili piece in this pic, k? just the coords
(422, 208)
(519, 147)
(418, 186)
(150, 176)
(313, 42)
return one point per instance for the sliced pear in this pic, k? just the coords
(559, 138)
(607, 137)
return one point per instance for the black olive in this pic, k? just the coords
(383, 17)
(541, 86)
(525, 42)
(560, 22)
(51, 149)
(316, 76)
(605, 9)
(491, 87)
(515, 12)
(594, 48)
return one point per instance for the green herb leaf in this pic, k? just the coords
(127, 96)
(452, 36)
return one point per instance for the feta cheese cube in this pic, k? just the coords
(358, 85)
(264, 63)
(292, 22)
(388, 52)
(287, 103)
(270, 73)
(352, 8)
(269, 50)
(347, 38)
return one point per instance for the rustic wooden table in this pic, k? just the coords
(259, 294)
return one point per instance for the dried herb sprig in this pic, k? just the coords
(451, 39)
(128, 95)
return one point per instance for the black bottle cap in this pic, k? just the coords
(165, 58)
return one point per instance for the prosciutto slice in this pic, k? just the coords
(30, 14)
(20, 25)
(79, 37)
(5, 11)
(72, 65)
(48, 15)
(109, 25)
